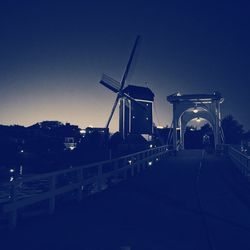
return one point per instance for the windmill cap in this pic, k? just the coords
(138, 92)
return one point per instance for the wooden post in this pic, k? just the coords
(53, 198)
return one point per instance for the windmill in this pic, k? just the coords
(118, 87)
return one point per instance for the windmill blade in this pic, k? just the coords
(110, 83)
(125, 75)
(113, 110)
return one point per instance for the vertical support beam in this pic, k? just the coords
(221, 135)
(182, 132)
(175, 124)
(122, 117)
(52, 191)
(217, 123)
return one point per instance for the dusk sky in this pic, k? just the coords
(53, 53)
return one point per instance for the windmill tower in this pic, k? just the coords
(133, 119)
(135, 112)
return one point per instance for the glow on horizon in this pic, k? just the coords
(76, 101)
(28, 116)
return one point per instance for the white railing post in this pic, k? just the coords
(13, 214)
(100, 178)
(132, 166)
(147, 156)
(138, 164)
(116, 165)
(80, 181)
(52, 191)
(164, 153)
(125, 171)
(141, 162)
(144, 162)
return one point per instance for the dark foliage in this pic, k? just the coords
(233, 130)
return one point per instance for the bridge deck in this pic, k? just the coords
(185, 202)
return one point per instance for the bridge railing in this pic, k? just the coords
(80, 180)
(240, 159)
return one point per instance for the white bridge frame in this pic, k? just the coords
(207, 106)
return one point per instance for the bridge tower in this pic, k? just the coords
(188, 107)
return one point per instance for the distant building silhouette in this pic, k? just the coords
(70, 143)
(103, 132)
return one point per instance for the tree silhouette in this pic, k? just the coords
(233, 130)
(246, 139)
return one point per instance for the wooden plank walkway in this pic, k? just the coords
(192, 201)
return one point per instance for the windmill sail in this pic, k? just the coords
(110, 83)
(125, 75)
(113, 110)
(116, 86)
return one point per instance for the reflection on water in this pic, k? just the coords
(16, 173)
(23, 190)
(13, 174)
(30, 188)
(21, 170)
